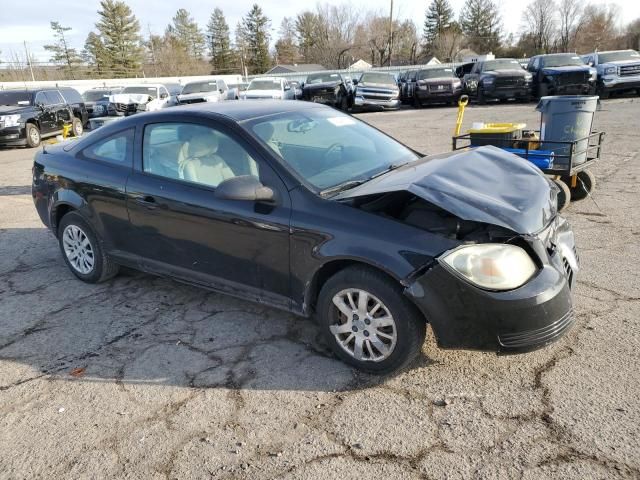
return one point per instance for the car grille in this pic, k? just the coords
(572, 78)
(509, 82)
(126, 107)
(538, 336)
(439, 87)
(628, 70)
(568, 271)
(376, 94)
(193, 100)
(1, 124)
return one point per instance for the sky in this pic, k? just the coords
(29, 20)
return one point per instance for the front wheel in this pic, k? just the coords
(344, 104)
(82, 252)
(33, 135)
(367, 321)
(480, 96)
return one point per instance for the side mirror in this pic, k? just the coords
(164, 95)
(287, 87)
(244, 187)
(355, 82)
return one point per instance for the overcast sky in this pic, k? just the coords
(29, 20)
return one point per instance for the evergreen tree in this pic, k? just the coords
(255, 26)
(120, 34)
(186, 31)
(480, 22)
(61, 51)
(438, 19)
(94, 53)
(286, 48)
(307, 26)
(219, 42)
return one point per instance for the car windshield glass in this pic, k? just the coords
(435, 73)
(379, 78)
(95, 95)
(151, 91)
(323, 78)
(618, 56)
(328, 148)
(199, 87)
(562, 60)
(15, 98)
(264, 85)
(502, 64)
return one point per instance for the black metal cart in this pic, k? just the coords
(572, 176)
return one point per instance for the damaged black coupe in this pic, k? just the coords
(302, 207)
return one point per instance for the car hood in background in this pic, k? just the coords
(567, 69)
(386, 86)
(13, 109)
(506, 73)
(129, 98)
(196, 95)
(263, 93)
(317, 86)
(484, 184)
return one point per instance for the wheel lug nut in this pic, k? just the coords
(355, 329)
(356, 318)
(366, 333)
(367, 321)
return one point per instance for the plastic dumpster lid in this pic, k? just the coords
(499, 128)
(545, 101)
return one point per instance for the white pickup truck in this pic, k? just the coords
(214, 90)
(141, 98)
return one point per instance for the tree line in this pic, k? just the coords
(333, 36)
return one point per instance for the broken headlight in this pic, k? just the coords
(491, 266)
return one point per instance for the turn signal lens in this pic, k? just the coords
(492, 266)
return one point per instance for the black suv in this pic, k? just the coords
(502, 78)
(27, 116)
(329, 88)
(561, 73)
(76, 102)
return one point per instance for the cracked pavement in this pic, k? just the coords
(142, 377)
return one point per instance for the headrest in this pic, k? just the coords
(203, 145)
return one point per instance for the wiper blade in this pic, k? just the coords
(341, 187)
(391, 167)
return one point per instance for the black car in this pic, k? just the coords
(97, 101)
(305, 208)
(437, 85)
(561, 73)
(28, 116)
(408, 86)
(328, 88)
(502, 79)
(73, 98)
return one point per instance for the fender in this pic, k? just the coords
(63, 200)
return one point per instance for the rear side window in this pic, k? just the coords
(54, 97)
(71, 95)
(115, 149)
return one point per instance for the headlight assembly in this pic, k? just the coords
(10, 120)
(488, 80)
(491, 266)
(610, 70)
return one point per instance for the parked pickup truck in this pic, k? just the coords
(502, 78)
(214, 90)
(437, 85)
(618, 71)
(27, 116)
(375, 90)
(141, 98)
(561, 73)
(329, 88)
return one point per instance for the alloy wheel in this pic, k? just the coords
(364, 327)
(78, 249)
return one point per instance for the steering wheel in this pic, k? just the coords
(334, 149)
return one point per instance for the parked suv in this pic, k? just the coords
(435, 85)
(97, 101)
(27, 116)
(329, 88)
(374, 90)
(561, 73)
(501, 79)
(214, 90)
(141, 98)
(73, 98)
(618, 71)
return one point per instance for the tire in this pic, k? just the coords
(603, 94)
(480, 96)
(406, 322)
(564, 195)
(75, 235)
(33, 135)
(543, 90)
(76, 127)
(416, 101)
(344, 104)
(586, 183)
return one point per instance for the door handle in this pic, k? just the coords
(147, 201)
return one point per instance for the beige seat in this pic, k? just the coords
(203, 164)
(265, 132)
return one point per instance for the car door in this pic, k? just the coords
(46, 116)
(180, 227)
(61, 111)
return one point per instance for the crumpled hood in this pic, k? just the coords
(129, 98)
(323, 85)
(506, 73)
(484, 184)
(567, 69)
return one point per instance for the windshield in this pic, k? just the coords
(618, 56)
(199, 87)
(15, 99)
(264, 85)
(151, 91)
(328, 148)
(435, 73)
(95, 95)
(502, 64)
(379, 78)
(323, 78)
(562, 60)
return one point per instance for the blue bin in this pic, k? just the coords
(540, 158)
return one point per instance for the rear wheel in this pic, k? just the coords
(82, 252)
(564, 195)
(416, 101)
(77, 127)
(367, 321)
(33, 135)
(480, 96)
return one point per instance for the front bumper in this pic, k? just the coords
(426, 96)
(464, 316)
(571, 89)
(13, 136)
(614, 83)
(363, 103)
(505, 93)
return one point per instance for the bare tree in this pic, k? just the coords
(540, 19)
(570, 12)
(599, 28)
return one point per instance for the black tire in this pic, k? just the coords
(480, 96)
(564, 195)
(586, 183)
(416, 101)
(76, 127)
(344, 104)
(33, 135)
(603, 93)
(543, 90)
(410, 325)
(103, 267)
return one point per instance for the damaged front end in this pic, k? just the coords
(506, 286)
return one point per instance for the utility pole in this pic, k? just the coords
(33, 79)
(390, 32)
